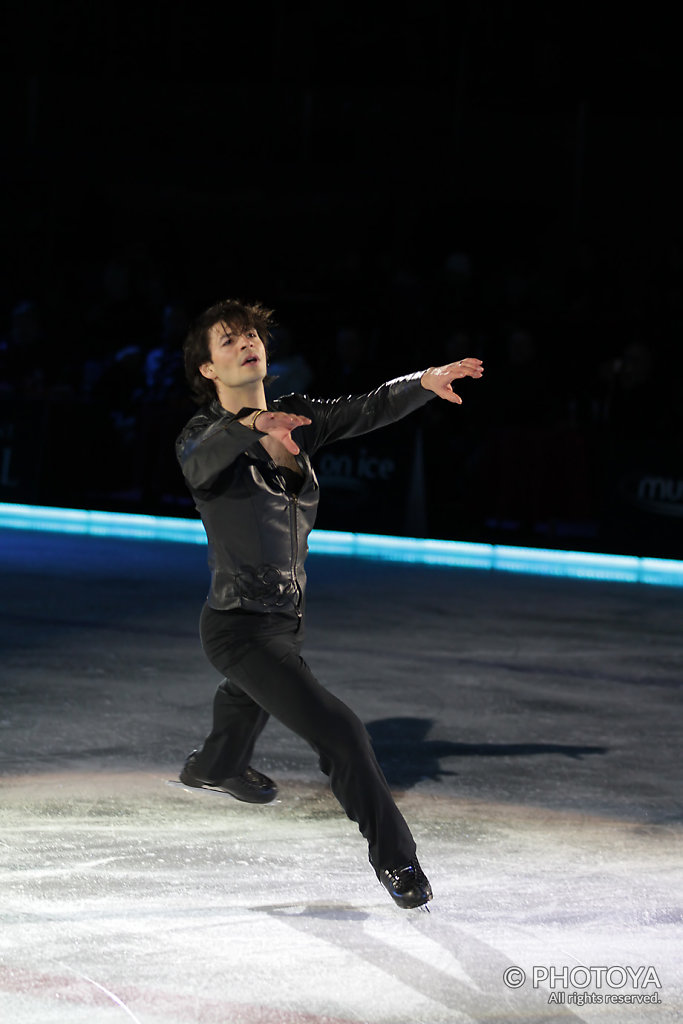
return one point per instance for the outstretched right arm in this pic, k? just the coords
(280, 426)
(208, 446)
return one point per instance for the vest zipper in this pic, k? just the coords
(293, 510)
(293, 501)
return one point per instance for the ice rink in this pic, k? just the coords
(529, 726)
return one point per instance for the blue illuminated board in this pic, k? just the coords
(544, 562)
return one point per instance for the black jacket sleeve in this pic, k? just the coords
(214, 438)
(210, 443)
(351, 415)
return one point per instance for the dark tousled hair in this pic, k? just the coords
(196, 350)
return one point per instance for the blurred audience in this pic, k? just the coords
(572, 345)
(164, 375)
(33, 366)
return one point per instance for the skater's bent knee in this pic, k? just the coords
(346, 734)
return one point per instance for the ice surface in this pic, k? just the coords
(529, 727)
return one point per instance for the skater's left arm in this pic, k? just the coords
(439, 379)
(351, 415)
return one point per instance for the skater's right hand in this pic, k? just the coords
(280, 426)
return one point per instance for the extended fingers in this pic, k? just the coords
(291, 420)
(286, 420)
(469, 367)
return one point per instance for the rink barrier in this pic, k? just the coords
(424, 551)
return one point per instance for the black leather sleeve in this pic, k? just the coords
(212, 440)
(209, 444)
(334, 419)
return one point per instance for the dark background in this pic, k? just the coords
(482, 180)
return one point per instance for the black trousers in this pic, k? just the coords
(266, 675)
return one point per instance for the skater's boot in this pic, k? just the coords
(407, 885)
(251, 786)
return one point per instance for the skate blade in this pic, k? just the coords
(198, 789)
(216, 792)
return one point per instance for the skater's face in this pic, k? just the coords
(238, 356)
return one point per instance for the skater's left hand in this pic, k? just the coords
(439, 378)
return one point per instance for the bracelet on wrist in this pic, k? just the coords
(255, 416)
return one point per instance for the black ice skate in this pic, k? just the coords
(251, 786)
(407, 886)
